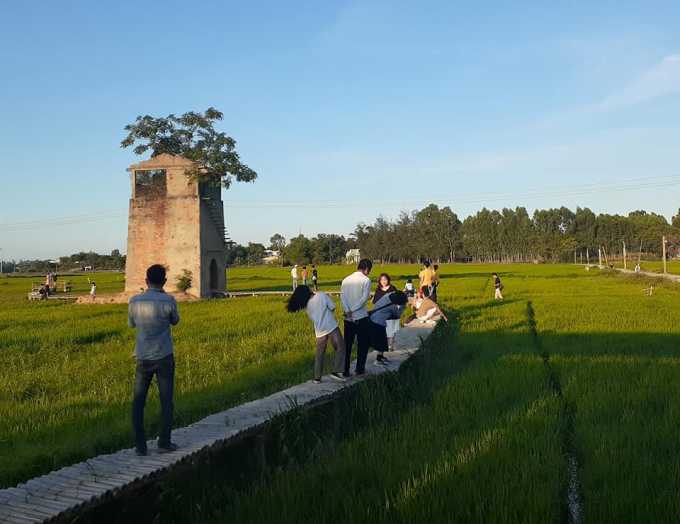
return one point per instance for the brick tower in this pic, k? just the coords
(177, 224)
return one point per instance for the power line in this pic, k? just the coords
(570, 190)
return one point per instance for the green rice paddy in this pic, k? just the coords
(560, 403)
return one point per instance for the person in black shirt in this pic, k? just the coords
(315, 276)
(497, 286)
(385, 287)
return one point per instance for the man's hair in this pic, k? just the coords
(494, 274)
(156, 275)
(365, 263)
(426, 264)
(436, 267)
(299, 299)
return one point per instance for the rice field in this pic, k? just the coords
(556, 404)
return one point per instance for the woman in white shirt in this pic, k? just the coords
(320, 309)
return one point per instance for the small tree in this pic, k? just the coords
(193, 137)
(183, 281)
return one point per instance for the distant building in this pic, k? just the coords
(176, 224)
(353, 256)
(271, 257)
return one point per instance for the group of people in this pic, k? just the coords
(375, 328)
(305, 276)
(153, 313)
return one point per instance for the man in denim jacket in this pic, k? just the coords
(152, 313)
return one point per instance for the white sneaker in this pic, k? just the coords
(431, 322)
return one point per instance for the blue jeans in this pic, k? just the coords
(164, 369)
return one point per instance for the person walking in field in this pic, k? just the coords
(294, 274)
(498, 287)
(93, 289)
(305, 274)
(383, 288)
(387, 309)
(315, 278)
(320, 308)
(152, 313)
(425, 276)
(355, 291)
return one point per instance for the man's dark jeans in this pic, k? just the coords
(164, 369)
(361, 331)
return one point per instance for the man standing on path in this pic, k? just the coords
(425, 278)
(152, 313)
(355, 291)
(293, 273)
(497, 286)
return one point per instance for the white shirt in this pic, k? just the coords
(354, 293)
(293, 272)
(320, 309)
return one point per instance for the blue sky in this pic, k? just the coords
(347, 110)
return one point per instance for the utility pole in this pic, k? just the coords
(624, 255)
(599, 257)
(663, 243)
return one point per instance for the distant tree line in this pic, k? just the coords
(512, 235)
(321, 249)
(509, 235)
(74, 262)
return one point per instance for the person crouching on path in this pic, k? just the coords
(426, 309)
(355, 291)
(320, 309)
(389, 307)
(497, 286)
(152, 313)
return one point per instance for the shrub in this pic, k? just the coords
(184, 280)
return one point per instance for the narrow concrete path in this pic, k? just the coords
(675, 278)
(60, 495)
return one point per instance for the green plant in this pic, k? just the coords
(184, 280)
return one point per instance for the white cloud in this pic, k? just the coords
(660, 80)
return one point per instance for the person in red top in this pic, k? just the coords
(305, 273)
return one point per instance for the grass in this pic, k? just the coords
(482, 425)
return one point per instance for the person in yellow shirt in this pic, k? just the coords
(425, 276)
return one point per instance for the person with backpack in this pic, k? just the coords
(383, 288)
(498, 287)
(389, 307)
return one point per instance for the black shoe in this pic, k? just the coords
(346, 375)
(168, 449)
(141, 452)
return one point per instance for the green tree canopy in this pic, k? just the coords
(191, 136)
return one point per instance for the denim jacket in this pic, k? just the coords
(152, 313)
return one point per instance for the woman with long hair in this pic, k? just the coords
(320, 309)
(384, 288)
(389, 307)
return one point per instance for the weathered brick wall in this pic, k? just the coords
(176, 231)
